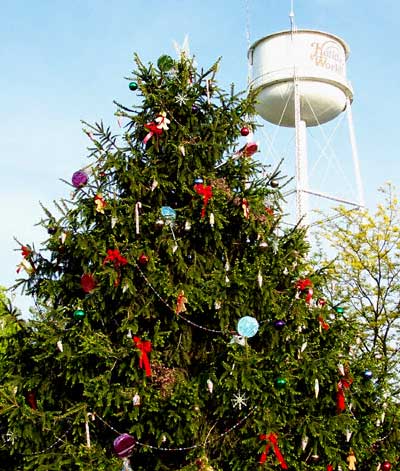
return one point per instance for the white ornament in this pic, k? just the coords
(154, 185)
(210, 386)
(136, 400)
(239, 400)
(260, 279)
(341, 369)
(316, 388)
(217, 305)
(60, 345)
(63, 236)
(303, 347)
(129, 334)
(187, 226)
(304, 442)
(212, 220)
(348, 435)
(181, 99)
(114, 221)
(182, 149)
(239, 339)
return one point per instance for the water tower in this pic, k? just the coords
(300, 80)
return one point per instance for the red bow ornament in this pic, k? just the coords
(305, 286)
(116, 257)
(342, 386)
(180, 303)
(206, 192)
(272, 439)
(145, 347)
(25, 264)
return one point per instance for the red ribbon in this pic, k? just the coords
(272, 439)
(145, 348)
(329, 467)
(116, 257)
(343, 384)
(206, 193)
(154, 130)
(304, 284)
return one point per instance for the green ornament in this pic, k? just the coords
(339, 310)
(165, 63)
(133, 86)
(79, 314)
(281, 382)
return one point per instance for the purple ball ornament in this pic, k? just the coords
(123, 445)
(79, 179)
(279, 324)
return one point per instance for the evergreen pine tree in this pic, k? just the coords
(176, 313)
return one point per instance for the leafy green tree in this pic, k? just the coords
(175, 312)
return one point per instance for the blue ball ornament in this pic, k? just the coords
(198, 180)
(247, 326)
(368, 374)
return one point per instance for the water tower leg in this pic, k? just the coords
(301, 160)
(354, 153)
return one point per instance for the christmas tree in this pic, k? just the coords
(179, 324)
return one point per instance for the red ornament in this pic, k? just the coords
(113, 255)
(144, 259)
(206, 192)
(245, 131)
(386, 466)
(88, 282)
(31, 399)
(123, 445)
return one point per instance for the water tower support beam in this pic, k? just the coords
(354, 153)
(301, 159)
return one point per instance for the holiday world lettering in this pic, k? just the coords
(328, 55)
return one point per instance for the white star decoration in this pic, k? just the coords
(239, 400)
(181, 99)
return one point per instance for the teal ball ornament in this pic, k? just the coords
(247, 326)
(79, 314)
(133, 86)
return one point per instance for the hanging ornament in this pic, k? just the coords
(138, 206)
(239, 339)
(157, 126)
(343, 385)
(188, 226)
(129, 334)
(217, 305)
(279, 324)
(203, 465)
(180, 303)
(124, 445)
(88, 283)
(341, 369)
(154, 185)
(305, 287)
(348, 435)
(165, 63)
(206, 192)
(303, 347)
(136, 400)
(239, 400)
(168, 214)
(164, 438)
(159, 223)
(274, 183)
(280, 382)
(79, 179)
(316, 388)
(79, 314)
(60, 345)
(143, 259)
(304, 442)
(63, 237)
(272, 439)
(247, 326)
(263, 246)
(210, 386)
(91, 416)
(322, 324)
(181, 99)
(386, 466)
(212, 220)
(259, 278)
(351, 460)
(248, 149)
(315, 458)
(368, 374)
(100, 203)
(133, 86)
(145, 347)
(339, 309)
(31, 399)
(198, 181)
(114, 221)
(245, 131)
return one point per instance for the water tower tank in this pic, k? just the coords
(317, 59)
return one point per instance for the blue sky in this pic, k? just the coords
(65, 61)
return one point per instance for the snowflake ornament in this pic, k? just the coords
(181, 99)
(239, 400)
